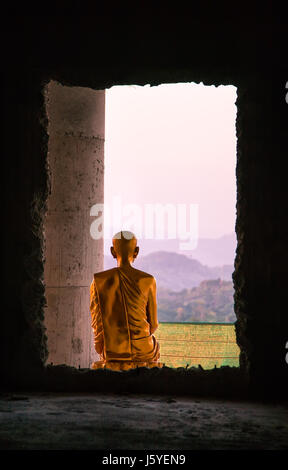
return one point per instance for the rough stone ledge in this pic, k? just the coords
(225, 382)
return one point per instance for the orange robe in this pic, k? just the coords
(124, 318)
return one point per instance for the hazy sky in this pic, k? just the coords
(173, 143)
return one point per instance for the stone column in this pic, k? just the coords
(76, 164)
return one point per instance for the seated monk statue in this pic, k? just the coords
(124, 311)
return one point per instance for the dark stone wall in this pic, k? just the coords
(247, 51)
(261, 261)
(26, 186)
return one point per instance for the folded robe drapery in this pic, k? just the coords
(124, 316)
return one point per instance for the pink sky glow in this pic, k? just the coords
(174, 143)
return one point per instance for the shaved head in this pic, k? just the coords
(124, 243)
(124, 235)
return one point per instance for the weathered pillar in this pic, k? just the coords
(76, 159)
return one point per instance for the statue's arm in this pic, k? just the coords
(152, 307)
(96, 324)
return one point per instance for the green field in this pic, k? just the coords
(207, 344)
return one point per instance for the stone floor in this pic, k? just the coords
(85, 421)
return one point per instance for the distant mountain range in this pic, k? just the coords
(210, 251)
(211, 301)
(216, 251)
(176, 271)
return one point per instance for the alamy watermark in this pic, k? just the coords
(149, 221)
